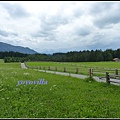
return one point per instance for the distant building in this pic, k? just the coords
(116, 59)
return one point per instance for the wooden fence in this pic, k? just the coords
(91, 72)
(109, 80)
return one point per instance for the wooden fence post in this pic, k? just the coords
(55, 68)
(76, 70)
(107, 78)
(49, 68)
(69, 74)
(64, 69)
(91, 72)
(37, 67)
(44, 68)
(116, 72)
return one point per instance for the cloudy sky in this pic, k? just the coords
(60, 26)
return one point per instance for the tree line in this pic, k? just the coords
(72, 56)
(13, 56)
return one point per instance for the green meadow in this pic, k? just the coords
(99, 68)
(61, 97)
(82, 64)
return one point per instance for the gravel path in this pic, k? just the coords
(23, 66)
(76, 75)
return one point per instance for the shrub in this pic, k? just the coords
(89, 79)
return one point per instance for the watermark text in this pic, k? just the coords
(40, 81)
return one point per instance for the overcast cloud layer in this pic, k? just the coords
(60, 26)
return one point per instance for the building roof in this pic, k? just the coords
(115, 59)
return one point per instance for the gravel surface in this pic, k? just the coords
(23, 66)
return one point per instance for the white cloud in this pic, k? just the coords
(60, 26)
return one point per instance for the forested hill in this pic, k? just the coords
(7, 47)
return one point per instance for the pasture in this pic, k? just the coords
(99, 68)
(62, 97)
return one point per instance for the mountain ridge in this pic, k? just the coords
(5, 47)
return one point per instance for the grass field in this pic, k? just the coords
(62, 97)
(99, 68)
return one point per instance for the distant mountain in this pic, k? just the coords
(7, 47)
